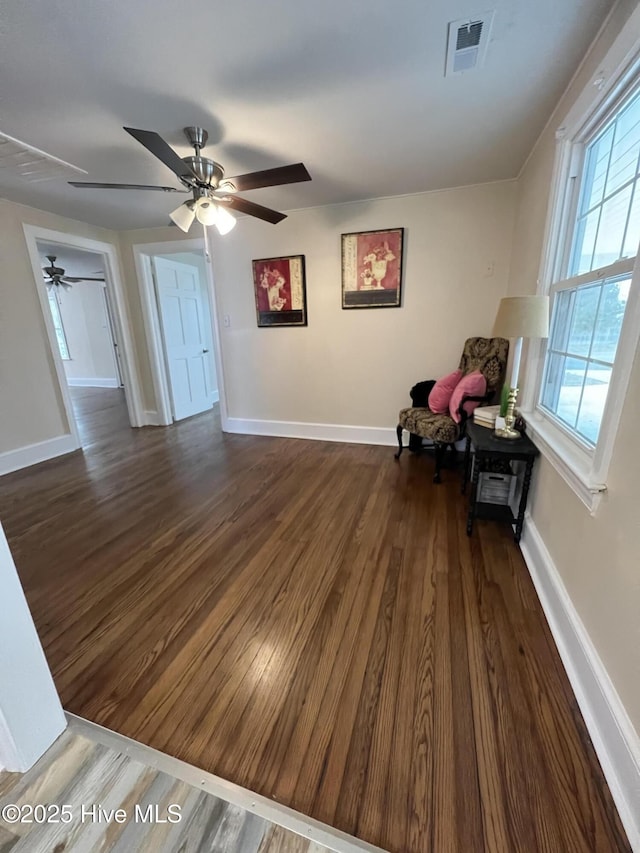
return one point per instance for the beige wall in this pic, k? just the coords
(355, 367)
(597, 557)
(31, 408)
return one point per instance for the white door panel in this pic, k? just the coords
(182, 317)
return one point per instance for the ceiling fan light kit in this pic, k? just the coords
(225, 221)
(205, 211)
(213, 194)
(184, 215)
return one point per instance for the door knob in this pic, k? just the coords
(205, 350)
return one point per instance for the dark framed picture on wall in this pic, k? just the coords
(281, 291)
(372, 269)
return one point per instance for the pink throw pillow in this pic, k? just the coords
(441, 392)
(472, 385)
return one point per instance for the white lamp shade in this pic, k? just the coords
(522, 317)
(206, 211)
(184, 215)
(226, 221)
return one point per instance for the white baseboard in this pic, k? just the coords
(317, 432)
(92, 383)
(151, 418)
(614, 738)
(23, 457)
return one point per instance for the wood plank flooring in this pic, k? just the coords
(85, 796)
(308, 620)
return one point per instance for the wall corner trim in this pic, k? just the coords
(151, 418)
(614, 738)
(32, 454)
(316, 432)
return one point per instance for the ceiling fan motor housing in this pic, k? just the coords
(53, 270)
(207, 172)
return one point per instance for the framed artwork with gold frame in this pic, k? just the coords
(280, 291)
(372, 269)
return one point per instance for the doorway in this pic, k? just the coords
(82, 317)
(88, 329)
(187, 331)
(180, 318)
(75, 282)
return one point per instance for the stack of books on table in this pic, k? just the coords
(486, 415)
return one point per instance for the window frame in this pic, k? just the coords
(53, 295)
(584, 467)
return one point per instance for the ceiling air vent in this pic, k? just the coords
(31, 163)
(467, 43)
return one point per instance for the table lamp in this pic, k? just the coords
(519, 317)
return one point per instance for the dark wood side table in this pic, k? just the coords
(488, 449)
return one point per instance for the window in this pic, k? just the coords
(590, 299)
(581, 353)
(58, 327)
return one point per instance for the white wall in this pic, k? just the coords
(355, 367)
(84, 315)
(31, 716)
(31, 407)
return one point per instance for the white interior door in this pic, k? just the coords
(182, 315)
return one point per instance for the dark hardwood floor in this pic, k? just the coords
(311, 621)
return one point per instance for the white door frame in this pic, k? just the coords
(142, 253)
(115, 290)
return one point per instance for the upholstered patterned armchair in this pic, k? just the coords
(489, 356)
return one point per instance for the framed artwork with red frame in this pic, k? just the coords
(372, 269)
(280, 291)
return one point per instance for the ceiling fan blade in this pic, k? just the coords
(292, 174)
(253, 209)
(91, 185)
(79, 278)
(154, 143)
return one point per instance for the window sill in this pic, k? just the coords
(574, 465)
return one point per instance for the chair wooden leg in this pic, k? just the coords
(415, 443)
(399, 434)
(440, 450)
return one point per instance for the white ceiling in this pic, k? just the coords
(354, 89)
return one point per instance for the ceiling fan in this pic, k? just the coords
(54, 276)
(213, 195)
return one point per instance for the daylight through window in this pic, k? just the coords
(58, 327)
(589, 303)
